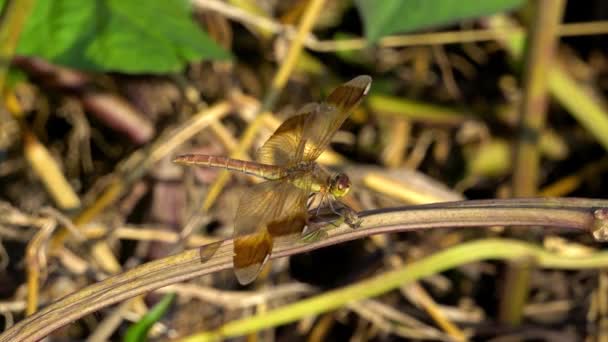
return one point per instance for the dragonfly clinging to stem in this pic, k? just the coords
(277, 207)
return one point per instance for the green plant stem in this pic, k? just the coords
(139, 331)
(414, 110)
(487, 249)
(586, 215)
(542, 41)
(541, 45)
(515, 289)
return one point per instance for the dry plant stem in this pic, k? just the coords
(139, 233)
(159, 150)
(14, 15)
(106, 328)
(48, 171)
(600, 302)
(223, 135)
(447, 73)
(425, 301)
(577, 99)
(36, 262)
(394, 147)
(71, 262)
(239, 299)
(433, 38)
(415, 191)
(239, 14)
(14, 306)
(542, 41)
(392, 321)
(101, 250)
(567, 184)
(578, 214)
(103, 255)
(320, 330)
(452, 37)
(239, 153)
(201, 120)
(371, 313)
(41, 160)
(308, 19)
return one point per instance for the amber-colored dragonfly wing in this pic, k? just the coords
(330, 115)
(282, 147)
(305, 135)
(267, 210)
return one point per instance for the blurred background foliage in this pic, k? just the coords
(470, 100)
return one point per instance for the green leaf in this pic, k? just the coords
(355, 57)
(14, 77)
(139, 331)
(385, 17)
(130, 36)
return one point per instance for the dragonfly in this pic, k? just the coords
(278, 206)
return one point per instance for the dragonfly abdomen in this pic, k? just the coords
(270, 172)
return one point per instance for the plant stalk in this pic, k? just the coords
(586, 215)
(542, 41)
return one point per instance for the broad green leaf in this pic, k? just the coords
(130, 36)
(139, 331)
(385, 17)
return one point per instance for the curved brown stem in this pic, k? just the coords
(587, 215)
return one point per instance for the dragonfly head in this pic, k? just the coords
(339, 185)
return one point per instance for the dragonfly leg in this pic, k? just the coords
(323, 199)
(351, 217)
(349, 214)
(310, 201)
(314, 226)
(312, 231)
(330, 202)
(331, 206)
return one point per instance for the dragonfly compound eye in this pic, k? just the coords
(341, 185)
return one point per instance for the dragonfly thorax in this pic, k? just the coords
(302, 167)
